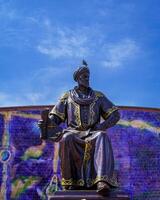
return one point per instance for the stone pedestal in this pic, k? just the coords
(90, 195)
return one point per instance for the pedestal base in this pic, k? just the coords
(89, 195)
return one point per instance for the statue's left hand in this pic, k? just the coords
(99, 127)
(109, 122)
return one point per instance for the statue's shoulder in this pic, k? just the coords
(64, 96)
(98, 94)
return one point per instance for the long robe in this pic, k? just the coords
(86, 154)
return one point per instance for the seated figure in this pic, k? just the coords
(85, 149)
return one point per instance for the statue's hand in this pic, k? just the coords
(55, 134)
(96, 127)
(99, 127)
(40, 124)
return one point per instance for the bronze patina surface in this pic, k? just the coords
(85, 149)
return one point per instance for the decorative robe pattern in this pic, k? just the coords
(86, 154)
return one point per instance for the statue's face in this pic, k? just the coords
(83, 80)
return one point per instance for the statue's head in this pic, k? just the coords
(81, 75)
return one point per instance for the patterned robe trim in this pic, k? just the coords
(51, 126)
(109, 112)
(79, 182)
(56, 112)
(112, 181)
(64, 96)
(87, 152)
(90, 182)
(98, 94)
(76, 112)
(92, 113)
(59, 114)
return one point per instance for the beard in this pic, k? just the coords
(85, 84)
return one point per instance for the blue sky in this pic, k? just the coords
(43, 41)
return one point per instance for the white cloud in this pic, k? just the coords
(3, 96)
(124, 102)
(7, 12)
(34, 98)
(8, 100)
(19, 99)
(64, 43)
(47, 74)
(61, 41)
(118, 54)
(38, 32)
(30, 98)
(45, 86)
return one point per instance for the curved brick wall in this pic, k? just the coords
(27, 165)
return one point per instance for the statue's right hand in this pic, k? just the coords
(40, 124)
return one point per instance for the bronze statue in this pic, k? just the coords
(85, 149)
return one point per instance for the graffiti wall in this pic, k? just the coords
(27, 164)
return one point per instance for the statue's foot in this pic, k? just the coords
(65, 187)
(70, 187)
(103, 188)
